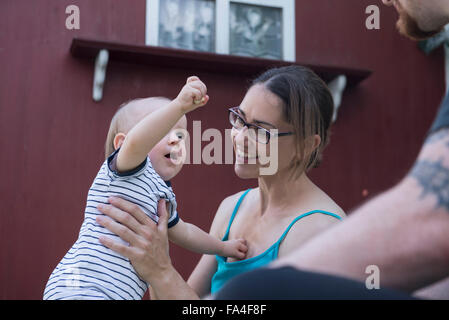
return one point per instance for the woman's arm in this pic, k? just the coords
(201, 277)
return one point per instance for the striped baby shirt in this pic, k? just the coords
(89, 270)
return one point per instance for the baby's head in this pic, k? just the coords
(128, 115)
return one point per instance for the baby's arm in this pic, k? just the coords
(150, 130)
(194, 239)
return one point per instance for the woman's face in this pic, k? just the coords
(264, 109)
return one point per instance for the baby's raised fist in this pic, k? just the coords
(193, 94)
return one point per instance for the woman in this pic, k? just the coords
(284, 211)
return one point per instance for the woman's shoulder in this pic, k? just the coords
(228, 204)
(224, 212)
(231, 201)
(312, 224)
(331, 206)
(322, 201)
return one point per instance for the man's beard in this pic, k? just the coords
(409, 27)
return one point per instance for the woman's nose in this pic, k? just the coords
(388, 2)
(240, 136)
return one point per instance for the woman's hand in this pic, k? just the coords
(148, 241)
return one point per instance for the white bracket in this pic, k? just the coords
(101, 63)
(337, 87)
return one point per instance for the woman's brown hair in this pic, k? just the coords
(307, 105)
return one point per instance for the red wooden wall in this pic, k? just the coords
(52, 133)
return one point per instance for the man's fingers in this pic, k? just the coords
(162, 213)
(130, 208)
(122, 231)
(125, 251)
(120, 216)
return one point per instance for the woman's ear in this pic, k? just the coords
(312, 143)
(118, 140)
(316, 141)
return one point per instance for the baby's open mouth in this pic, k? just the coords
(173, 155)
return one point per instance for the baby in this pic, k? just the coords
(144, 138)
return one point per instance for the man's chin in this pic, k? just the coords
(409, 28)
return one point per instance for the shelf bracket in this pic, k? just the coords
(337, 87)
(101, 63)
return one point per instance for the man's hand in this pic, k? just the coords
(147, 247)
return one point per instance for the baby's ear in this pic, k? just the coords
(118, 140)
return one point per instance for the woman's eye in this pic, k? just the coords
(239, 122)
(180, 135)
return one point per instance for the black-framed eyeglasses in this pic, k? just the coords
(255, 132)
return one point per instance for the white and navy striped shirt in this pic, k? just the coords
(89, 270)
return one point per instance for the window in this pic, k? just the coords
(256, 28)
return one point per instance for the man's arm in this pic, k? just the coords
(404, 231)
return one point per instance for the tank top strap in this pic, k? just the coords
(236, 208)
(302, 216)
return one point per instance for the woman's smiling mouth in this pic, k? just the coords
(243, 155)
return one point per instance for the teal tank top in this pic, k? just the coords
(227, 270)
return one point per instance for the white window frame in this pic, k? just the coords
(222, 13)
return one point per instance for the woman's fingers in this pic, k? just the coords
(130, 208)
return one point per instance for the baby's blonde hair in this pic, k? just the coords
(128, 115)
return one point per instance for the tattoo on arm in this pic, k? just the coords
(433, 175)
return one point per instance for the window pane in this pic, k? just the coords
(187, 24)
(255, 31)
